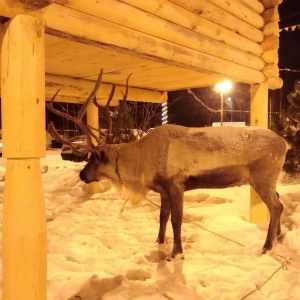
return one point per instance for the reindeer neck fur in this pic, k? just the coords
(119, 171)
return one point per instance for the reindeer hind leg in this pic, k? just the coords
(270, 197)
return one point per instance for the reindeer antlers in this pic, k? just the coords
(80, 149)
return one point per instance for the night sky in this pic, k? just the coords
(289, 51)
(184, 110)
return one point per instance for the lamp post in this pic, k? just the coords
(222, 88)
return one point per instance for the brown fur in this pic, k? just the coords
(172, 159)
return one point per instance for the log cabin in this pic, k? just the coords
(167, 45)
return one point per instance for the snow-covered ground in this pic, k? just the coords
(99, 249)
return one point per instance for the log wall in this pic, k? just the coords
(228, 38)
(270, 43)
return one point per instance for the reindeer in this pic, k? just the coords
(172, 159)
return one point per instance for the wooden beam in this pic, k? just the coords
(259, 105)
(270, 43)
(271, 29)
(217, 15)
(24, 239)
(71, 24)
(241, 11)
(271, 15)
(79, 100)
(138, 20)
(271, 3)
(79, 89)
(176, 14)
(255, 5)
(275, 83)
(271, 57)
(93, 121)
(74, 26)
(258, 117)
(271, 70)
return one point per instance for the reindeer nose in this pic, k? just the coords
(82, 176)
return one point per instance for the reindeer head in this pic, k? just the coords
(98, 157)
(92, 170)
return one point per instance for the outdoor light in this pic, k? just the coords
(222, 88)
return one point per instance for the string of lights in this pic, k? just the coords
(290, 70)
(294, 27)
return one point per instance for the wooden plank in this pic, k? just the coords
(271, 3)
(241, 11)
(61, 54)
(271, 15)
(79, 88)
(255, 5)
(94, 31)
(174, 13)
(270, 43)
(258, 117)
(271, 28)
(136, 19)
(166, 81)
(275, 83)
(271, 70)
(92, 116)
(271, 56)
(221, 17)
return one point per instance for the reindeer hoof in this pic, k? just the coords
(172, 256)
(263, 251)
(266, 249)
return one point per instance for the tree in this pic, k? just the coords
(288, 125)
(137, 119)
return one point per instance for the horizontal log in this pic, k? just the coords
(271, 15)
(80, 27)
(271, 3)
(79, 88)
(173, 13)
(275, 83)
(271, 28)
(110, 36)
(255, 5)
(80, 100)
(271, 71)
(271, 56)
(239, 10)
(217, 15)
(270, 43)
(131, 17)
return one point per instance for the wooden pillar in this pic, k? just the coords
(259, 117)
(93, 121)
(23, 128)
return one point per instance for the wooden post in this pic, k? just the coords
(23, 120)
(93, 120)
(259, 117)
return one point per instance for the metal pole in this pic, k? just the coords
(222, 107)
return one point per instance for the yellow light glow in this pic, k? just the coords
(224, 86)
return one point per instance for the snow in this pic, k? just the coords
(100, 249)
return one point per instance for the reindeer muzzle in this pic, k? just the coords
(83, 177)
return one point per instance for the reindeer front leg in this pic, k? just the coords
(176, 201)
(165, 211)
